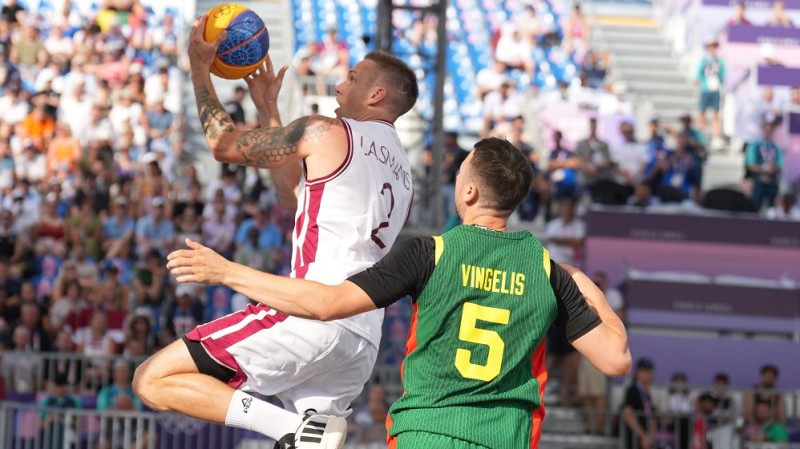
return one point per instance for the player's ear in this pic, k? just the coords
(471, 194)
(377, 94)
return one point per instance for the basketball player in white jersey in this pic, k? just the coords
(350, 180)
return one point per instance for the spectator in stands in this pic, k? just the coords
(749, 126)
(593, 387)
(725, 406)
(501, 106)
(779, 18)
(154, 231)
(8, 171)
(231, 190)
(738, 17)
(250, 254)
(149, 280)
(764, 391)
(563, 167)
(38, 127)
(235, 109)
(30, 317)
(13, 12)
(187, 311)
(528, 24)
(704, 421)
(643, 196)
(31, 164)
(108, 396)
(219, 230)
(595, 158)
(64, 311)
(334, 59)
(764, 427)
(139, 327)
(638, 408)
(529, 208)
(112, 292)
(63, 151)
(65, 363)
(98, 129)
(53, 423)
(95, 340)
(696, 146)
(630, 157)
(680, 407)
(28, 53)
(764, 159)
(710, 78)
(786, 208)
(576, 31)
(453, 156)
(270, 235)
(594, 69)
(159, 122)
(118, 230)
(51, 230)
(678, 172)
(566, 234)
(189, 225)
(20, 366)
(515, 51)
(490, 78)
(14, 106)
(166, 39)
(658, 153)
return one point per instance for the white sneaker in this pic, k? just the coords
(321, 432)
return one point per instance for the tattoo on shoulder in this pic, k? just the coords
(268, 146)
(213, 117)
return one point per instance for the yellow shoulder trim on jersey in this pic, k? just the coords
(437, 239)
(546, 261)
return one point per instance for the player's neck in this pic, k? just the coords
(487, 221)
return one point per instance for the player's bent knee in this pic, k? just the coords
(145, 385)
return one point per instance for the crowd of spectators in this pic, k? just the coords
(95, 191)
(682, 417)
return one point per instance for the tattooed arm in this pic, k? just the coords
(320, 141)
(264, 86)
(266, 147)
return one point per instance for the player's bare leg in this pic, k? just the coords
(170, 381)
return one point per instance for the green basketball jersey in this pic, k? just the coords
(475, 348)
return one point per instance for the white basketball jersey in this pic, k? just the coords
(349, 220)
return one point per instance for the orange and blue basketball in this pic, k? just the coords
(247, 44)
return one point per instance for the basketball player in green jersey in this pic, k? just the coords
(483, 300)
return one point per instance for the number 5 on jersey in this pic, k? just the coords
(469, 332)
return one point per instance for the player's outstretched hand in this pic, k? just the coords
(202, 53)
(265, 85)
(197, 264)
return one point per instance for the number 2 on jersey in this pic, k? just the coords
(384, 224)
(469, 332)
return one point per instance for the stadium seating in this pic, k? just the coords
(471, 26)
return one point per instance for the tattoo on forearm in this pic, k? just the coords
(268, 146)
(213, 117)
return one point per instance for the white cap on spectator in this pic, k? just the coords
(135, 68)
(157, 201)
(184, 289)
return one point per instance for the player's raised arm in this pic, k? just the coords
(606, 346)
(261, 147)
(296, 297)
(265, 85)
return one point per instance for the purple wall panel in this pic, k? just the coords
(701, 358)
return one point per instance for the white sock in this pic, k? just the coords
(247, 412)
